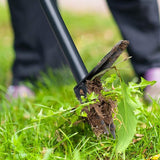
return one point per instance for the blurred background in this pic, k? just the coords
(91, 25)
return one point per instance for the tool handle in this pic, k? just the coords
(66, 43)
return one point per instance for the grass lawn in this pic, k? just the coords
(40, 128)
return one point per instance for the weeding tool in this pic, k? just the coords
(75, 62)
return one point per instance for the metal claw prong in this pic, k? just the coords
(105, 128)
(112, 130)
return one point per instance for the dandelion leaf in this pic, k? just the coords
(127, 121)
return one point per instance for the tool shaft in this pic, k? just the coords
(66, 43)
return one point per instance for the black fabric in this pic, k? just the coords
(139, 23)
(35, 46)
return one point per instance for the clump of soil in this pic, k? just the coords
(99, 114)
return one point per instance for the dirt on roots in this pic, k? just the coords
(99, 115)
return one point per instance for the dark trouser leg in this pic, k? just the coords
(35, 46)
(139, 23)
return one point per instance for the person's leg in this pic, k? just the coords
(35, 45)
(139, 23)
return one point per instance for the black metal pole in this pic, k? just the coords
(66, 43)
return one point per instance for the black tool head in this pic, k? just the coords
(101, 68)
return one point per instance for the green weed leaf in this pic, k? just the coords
(110, 80)
(127, 126)
(144, 83)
